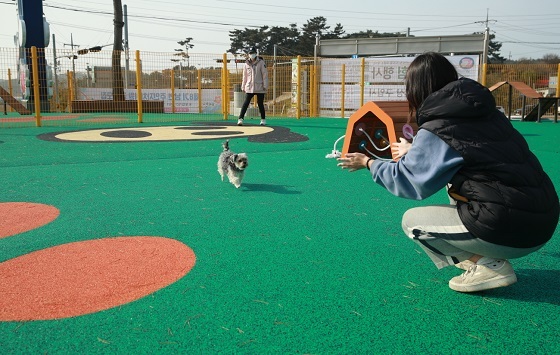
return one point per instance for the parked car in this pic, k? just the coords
(528, 109)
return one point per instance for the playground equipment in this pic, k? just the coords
(15, 104)
(542, 106)
(374, 126)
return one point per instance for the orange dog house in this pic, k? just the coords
(384, 122)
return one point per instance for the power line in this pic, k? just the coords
(131, 35)
(439, 28)
(147, 17)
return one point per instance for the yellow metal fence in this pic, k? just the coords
(65, 87)
(536, 76)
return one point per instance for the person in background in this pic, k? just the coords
(504, 206)
(255, 82)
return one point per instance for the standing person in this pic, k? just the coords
(255, 82)
(504, 205)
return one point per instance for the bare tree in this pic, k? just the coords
(118, 83)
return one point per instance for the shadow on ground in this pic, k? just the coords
(533, 285)
(279, 189)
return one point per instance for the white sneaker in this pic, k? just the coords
(263, 122)
(465, 265)
(240, 122)
(484, 275)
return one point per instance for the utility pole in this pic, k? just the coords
(482, 71)
(72, 45)
(486, 40)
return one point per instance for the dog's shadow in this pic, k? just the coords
(277, 189)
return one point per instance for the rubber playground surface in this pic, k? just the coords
(123, 239)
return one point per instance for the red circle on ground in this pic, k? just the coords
(84, 277)
(19, 217)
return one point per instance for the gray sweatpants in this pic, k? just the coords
(441, 234)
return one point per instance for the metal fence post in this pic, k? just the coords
(139, 85)
(36, 94)
(342, 90)
(225, 94)
(199, 76)
(362, 81)
(172, 91)
(298, 89)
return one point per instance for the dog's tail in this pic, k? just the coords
(226, 145)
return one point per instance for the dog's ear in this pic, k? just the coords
(233, 158)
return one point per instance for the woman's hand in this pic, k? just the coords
(353, 161)
(400, 148)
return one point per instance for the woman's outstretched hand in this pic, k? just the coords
(400, 148)
(353, 161)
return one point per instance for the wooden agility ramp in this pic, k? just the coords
(15, 104)
(545, 103)
(382, 122)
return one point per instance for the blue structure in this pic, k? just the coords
(33, 31)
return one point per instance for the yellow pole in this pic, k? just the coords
(10, 88)
(139, 85)
(558, 82)
(172, 91)
(316, 91)
(225, 100)
(298, 89)
(199, 72)
(311, 99)
(223, 90)
(70, 95)
(362, 81)
(484, 68)
(342, 90)
(36, 95)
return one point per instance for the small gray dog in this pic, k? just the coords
(233, 165)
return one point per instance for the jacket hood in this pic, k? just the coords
(463, 98)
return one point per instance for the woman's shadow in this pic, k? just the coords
(533, 286)
(277, 189)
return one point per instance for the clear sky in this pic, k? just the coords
(525, 28)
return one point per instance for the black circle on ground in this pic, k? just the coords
(126, 133)
(200, 128)
(279, 135)
(223, 133)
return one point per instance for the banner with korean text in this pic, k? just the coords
(383, 80)
(186, 100)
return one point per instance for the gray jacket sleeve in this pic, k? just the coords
(427, 168)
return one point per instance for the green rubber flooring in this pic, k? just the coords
(304, 258)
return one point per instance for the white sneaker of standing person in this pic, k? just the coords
(240, 122)
(486, 274)
(263, 122)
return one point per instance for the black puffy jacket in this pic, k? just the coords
(507, 197)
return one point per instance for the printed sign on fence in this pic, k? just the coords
(383, 79)
(387, 70)
(186, 100)
(331, 96)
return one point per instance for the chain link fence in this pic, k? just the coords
(102, 86)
